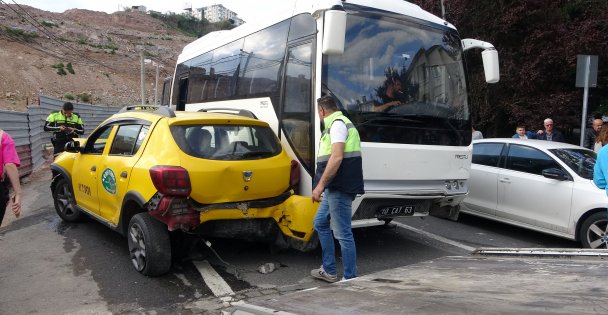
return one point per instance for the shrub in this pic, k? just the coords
(17, 32)
(68, 96)
(84, 97)
(48, 23)
(70, 69)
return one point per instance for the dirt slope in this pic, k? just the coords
(104, 50)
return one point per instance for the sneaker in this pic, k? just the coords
(321, 274)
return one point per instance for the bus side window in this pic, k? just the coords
(261, 61)
(180, 87)
(200, 68)
(226, 61)
(166, 97)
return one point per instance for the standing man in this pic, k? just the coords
(476, 134)
(339, 177)
(65, 126)
(591, 134)
(522, 133)
(549, 133)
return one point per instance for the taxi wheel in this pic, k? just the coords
(594, 231)
(149, 245)
(64, 202)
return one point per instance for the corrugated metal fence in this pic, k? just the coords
(27, 128)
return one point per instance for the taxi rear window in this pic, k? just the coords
(226, 142)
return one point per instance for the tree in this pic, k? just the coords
(537, 43)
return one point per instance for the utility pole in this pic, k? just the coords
(143, 83)
(586, 77)
(156, 85)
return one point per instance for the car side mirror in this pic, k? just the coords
(73, 147)
(555, 173)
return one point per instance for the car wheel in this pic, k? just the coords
(64, 202)
(149, 245)
(594, 231)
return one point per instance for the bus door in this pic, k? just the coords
(297, 114)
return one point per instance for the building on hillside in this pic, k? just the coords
(139, 8)
(217, 13)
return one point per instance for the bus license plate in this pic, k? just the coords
(394, 211)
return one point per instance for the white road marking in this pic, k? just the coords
(435, 237)
(182, 277)
(212, 279)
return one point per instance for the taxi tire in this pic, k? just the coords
(149, 245)
(63, 199)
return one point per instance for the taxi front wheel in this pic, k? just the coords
(149, 245)
(64, 201)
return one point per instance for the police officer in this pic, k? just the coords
(65, 126)
(339, 177)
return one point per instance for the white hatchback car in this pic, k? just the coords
(541, 185)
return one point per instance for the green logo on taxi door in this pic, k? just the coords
(108, 181)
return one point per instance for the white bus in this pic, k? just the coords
(416, 152)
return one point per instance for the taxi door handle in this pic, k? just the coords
(123, 174)
(505, 180)
(93, 168)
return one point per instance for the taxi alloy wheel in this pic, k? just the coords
(149, 245)
(64, 202)
(594, 231)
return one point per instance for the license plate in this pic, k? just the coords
(394, 211)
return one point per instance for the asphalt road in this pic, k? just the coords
(52, 267)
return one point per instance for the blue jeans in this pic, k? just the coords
(335, 213)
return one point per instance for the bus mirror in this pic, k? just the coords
(335, 31)
(490, 65)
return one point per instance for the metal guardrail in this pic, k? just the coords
(578, 253)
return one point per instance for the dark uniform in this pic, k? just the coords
(73, 127)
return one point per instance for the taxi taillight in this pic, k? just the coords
(171, 180)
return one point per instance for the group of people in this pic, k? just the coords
(549, 133)
(595, 137)
(64, 125)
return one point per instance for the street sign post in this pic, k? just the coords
(586, 76)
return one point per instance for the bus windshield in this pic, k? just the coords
(401, 82)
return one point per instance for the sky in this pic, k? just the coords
(248, 10)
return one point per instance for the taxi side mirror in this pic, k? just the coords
(73, 147)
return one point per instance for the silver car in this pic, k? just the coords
(540, 185)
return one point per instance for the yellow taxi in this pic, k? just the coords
(146, 171)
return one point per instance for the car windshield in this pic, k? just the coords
(226, 142)
(581, 161)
